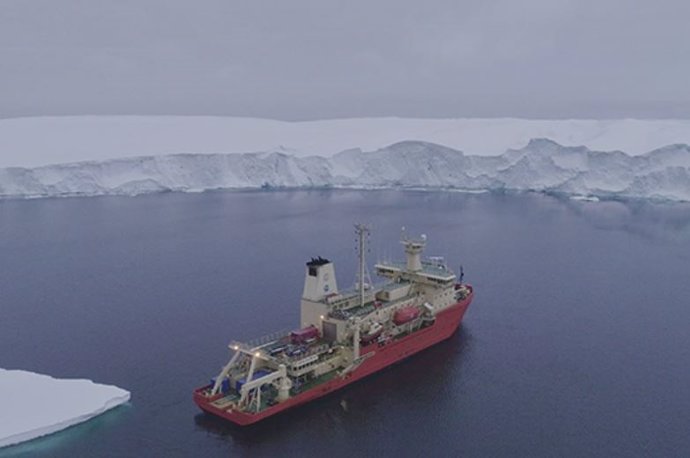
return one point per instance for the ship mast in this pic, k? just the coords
(361, 230)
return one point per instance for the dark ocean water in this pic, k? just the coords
(577, 343)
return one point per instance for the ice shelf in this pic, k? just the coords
(615, 160)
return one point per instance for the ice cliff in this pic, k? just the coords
(542, 165)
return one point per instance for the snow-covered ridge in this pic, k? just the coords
(542, 165)
(33, 142)
(34, 405)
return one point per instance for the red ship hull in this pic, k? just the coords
(447, 322)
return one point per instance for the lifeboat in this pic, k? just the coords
(405, 315)
(375, 331)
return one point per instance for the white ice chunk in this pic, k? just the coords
(585, 198)
(34, 405)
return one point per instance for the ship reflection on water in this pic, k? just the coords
(427, 377)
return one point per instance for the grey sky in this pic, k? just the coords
(302, 59)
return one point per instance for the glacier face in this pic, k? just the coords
(542, 165)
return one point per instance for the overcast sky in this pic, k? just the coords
(302, 59)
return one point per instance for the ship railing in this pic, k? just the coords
(315, 350)
(259, 342)
(267, 339)
(241, 346)
(357, 311)
(432, 267)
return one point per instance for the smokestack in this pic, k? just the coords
(319, 279)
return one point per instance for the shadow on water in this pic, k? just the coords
(436, 368)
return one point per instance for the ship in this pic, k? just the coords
(343, 337)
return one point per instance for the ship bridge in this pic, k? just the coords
(431, 270)
(428, 268)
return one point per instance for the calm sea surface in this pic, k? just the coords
(577, 343)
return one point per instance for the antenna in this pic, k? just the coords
(361, 231)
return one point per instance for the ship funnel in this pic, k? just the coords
(319, 279)
(413, 250)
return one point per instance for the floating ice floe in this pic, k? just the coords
(34, 405)
(585, 198)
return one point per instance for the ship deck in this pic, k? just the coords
(377, 357)
(428, 269)
(357, 311)
(306, 386)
